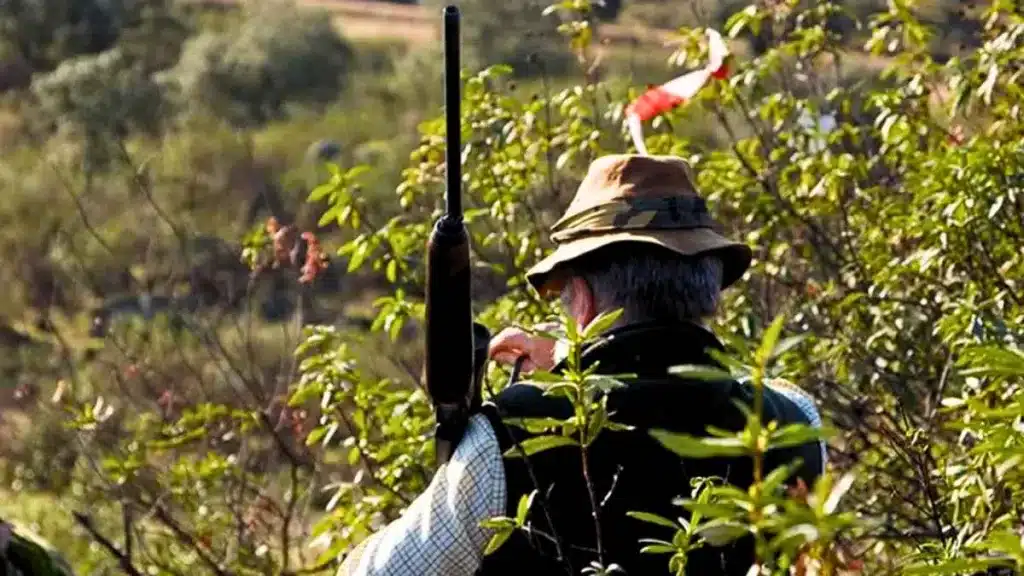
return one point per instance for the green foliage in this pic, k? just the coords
(874, 235)
(890, 243)
(101, 98)
(280, 55)
(516, 33)
(45, 32)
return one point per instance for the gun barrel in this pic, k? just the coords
(453, 116)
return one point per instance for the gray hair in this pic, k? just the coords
(649, 283)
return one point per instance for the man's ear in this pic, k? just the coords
(582, 307)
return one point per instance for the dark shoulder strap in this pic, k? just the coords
(501, 430)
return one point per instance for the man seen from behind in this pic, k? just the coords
(637, 237)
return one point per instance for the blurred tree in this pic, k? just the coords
(152, 33)
(280, 55)
(513, 32)
(45, 32)
(99, 98)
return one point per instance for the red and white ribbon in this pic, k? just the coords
(676, 92)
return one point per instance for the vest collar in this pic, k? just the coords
(650, 348)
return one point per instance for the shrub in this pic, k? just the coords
(891, 242)
(46, 32)
(279, 56)
(514, 32)
(100, 98)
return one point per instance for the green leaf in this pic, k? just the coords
(359, 255)
(693, 447)
(603, 383)
(709, 509)
(617, 427)
(534, 425)
(787, 344)
(795, 435)
(957, 566)
(565, 389)
(356, 171)
(778, 476)
(652, 519)
(795, 536)
(658, 549)
(1007, 543)
(838, 491)
(538, 444)
(525, 502)
(703, 373)
(720, 533)
(497, 541)
(601, 324)
(541, 377)
(770, 339)
(320, 192)
(316, 435)
(500, 523)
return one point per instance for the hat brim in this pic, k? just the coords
(735, 256)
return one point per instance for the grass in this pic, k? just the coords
(49, 517)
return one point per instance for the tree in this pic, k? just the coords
(279, 56)
(46, 32)
(514, 32)
(101, 99)
(890, 240)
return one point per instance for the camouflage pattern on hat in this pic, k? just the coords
(672, 213)
(643, 199)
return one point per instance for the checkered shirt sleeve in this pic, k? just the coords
(806, 404)
(440, 533)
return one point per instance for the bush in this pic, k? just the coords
(279, 56)
(46, 32)
(513, 32)
(890, 242)
(101, 98)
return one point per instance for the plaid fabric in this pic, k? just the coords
(440, 533)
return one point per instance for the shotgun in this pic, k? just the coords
(456, 346)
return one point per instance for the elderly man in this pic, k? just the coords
(636, 237)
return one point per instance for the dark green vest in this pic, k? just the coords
(639, 474)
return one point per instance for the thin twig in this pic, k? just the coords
(595, 509)
(370, 464)
(165, 517)
(122, 559)
(286, 525)
(611, 489)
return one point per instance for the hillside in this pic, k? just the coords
(363, 20)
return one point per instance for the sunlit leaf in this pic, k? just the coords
(693, 447)
(538, 444)
(652, 519)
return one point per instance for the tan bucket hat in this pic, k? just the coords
(637, 198)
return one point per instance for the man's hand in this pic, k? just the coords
(512, 343)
